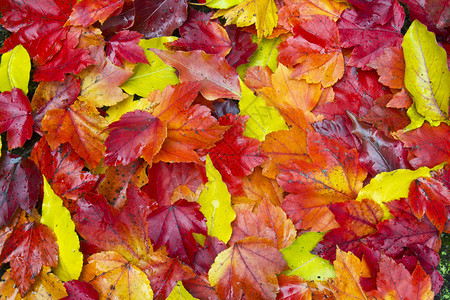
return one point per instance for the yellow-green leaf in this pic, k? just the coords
(127, 105)
(309, 266)
(215, 202)
(265, 55)
(388, 186)
(153, 76)
(426, 74)
(222, 4)
(57, 217)
(15, 70)
(263, 119)
(180, 293)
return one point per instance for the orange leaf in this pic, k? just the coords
(101, 82)
(314, 51)
(115, 278)
(82, 126)
(334, 176)
(268, 221)
(349, 270)
(391, 67)
(219, 79)
(247, 269)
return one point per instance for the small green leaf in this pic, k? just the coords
(222, 4)
(309, 266)
(426, 76)
(155, 75)
(15, 70)
(263, 119)
(215, 202)
(265, 55)
(180, 293)
(58, 218)
(388, 186)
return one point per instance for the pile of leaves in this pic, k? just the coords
(233, 149)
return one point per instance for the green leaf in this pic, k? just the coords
(58, 218)
(180, 293)
(388, 186)
(153, 76)
(15, 70)
(263, 119)
(222, 4)
(215, 202)
(305, 264)
(426, 75)
(265, 55)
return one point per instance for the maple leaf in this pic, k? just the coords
(378, 153)
(370, 30)
(394, 281)
(219, 79)
(349, 270)
(38, 26)
(16, 117)
(137, 133)
(77, 289)
(21, 185)
(166, 180)
(334, 175)
(46, 286)
(307, 9)
(314, 51)
(118, 179)
(248, 268)
(391, 67)
(53, 95)
(158, 18)
(173, 226)
(100, 82)
(429, 145)
(124, 46)
(236, 155)
(261, 13)
(81, 125)
(268, 221)
(106, 228)
(63, 168)
(188, 127)
(210, 37)
(113, 276)
(30, 246)
(164, 273)
(87, 12)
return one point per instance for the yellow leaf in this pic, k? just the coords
(388, 186)
(155, 75)
(58, 218)
(215, 202)
(263, 119)
(127, 105)
(180, 293)
(15, 70)
(265, 55)
(222, 4)
(427, 77)
(299, 258)
(248, 12)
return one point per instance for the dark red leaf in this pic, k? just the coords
(338, 128)
(156, 18)
(15, 117)
(80, 290)
(242, 46)
(173, 227)
(206, 255)
(20, 185)
(124, 45)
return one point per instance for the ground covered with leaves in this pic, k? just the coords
(233, 149)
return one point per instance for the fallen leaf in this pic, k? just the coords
(15, 70)
(124, 46)
(391, 67)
